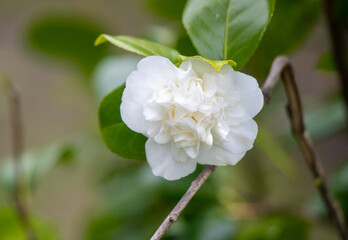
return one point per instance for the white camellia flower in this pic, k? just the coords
(191, 114)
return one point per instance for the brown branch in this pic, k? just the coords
(17, 150)
(181, 205)
(281, 67)
(339, 47)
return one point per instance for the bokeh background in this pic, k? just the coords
(80, 190)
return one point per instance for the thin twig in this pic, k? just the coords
(281, 67)
(181, 205)
(17, 150)
(339, 47)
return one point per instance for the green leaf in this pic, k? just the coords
(291, 23)
(227, 29)
(69, 38)
(139, 46)
(117, 136)
(216, 64)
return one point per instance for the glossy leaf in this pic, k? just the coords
(139, 46)
(117, 136)
(227, 29)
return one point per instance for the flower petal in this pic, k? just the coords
(166, 161)
(240, 138)
(251, 95)
(132, 107)
(218, 155)
(154, 71)
(150, 74)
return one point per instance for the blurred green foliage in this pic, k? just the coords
(339, 186)
(291, 23)
(67, 37)
(11, 229)
(111, 73)
(341, 9)
(171, 9)
(277, 227)
(326, 62)
(338, 183)
(134, 199)
(35, 165)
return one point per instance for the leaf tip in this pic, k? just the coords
(101, 39)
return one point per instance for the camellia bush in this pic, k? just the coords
(179, 103)
(176, 111)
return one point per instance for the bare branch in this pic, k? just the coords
(174, 214)
(281, 67)
(17, 150)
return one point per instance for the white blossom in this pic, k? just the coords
(191, 114)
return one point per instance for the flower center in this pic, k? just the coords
(188, 111)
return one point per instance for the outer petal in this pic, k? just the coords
(165, 161)
(218, 155)
(154, 71)
(251, 95)
(132, 107)
(240, 138)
